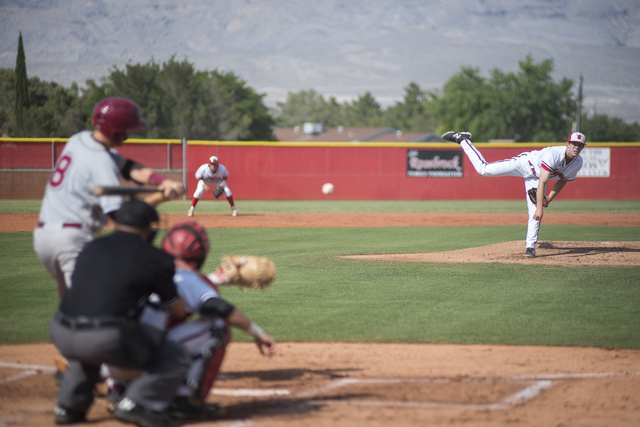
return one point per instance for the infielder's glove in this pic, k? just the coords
(217, 192)
(248, 270)
(533, 196)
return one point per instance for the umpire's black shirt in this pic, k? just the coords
(115, 274)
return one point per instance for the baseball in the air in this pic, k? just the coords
(327, 188)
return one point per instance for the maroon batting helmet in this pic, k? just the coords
(187, 241)
(116, 117)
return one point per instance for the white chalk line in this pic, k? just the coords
(250, 392)
(525, 394)
(21, 375)
(575, 376)
(23, 366)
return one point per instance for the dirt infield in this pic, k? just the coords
(340, 384)
(343, 384)
(27, 222)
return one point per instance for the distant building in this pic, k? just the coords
(315, 132)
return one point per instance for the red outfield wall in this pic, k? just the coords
(379, 171)
(289, 171)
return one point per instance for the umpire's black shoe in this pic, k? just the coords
(456, 136)
(531, 252)
(69, 416)
(132, 412)
(182, 408)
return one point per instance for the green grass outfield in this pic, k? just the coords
(319, 297)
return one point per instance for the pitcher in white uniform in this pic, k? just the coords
(560, 163)
(212, 175)
(70, 214)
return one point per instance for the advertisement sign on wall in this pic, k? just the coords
(434, 163)
(596, 163)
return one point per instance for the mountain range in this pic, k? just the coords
(338, 48)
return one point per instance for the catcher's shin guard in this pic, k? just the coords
(209, 372)
(211, 361)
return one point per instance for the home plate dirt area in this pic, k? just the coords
(342, 384)
(373, 384)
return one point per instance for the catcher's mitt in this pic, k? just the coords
(533, 196)
(217, 192)
(248, 270)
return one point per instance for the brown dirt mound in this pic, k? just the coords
(569, 254)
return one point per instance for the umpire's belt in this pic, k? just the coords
(84, 322)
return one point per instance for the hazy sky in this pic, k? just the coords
(338, 48)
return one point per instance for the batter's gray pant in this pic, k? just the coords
(87, 349)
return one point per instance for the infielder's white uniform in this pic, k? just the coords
(70, 214)
(528, 166)
(205, 176)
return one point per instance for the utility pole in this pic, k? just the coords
(579, 114)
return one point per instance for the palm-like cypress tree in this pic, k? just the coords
(22, 90)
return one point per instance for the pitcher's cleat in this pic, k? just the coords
(456, 137)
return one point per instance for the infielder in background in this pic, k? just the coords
(538, 167)
(206, 334)
(212, 177)
(70, 214)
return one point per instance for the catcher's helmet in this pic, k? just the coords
(116, 117)
(187, 241)
(213, 160)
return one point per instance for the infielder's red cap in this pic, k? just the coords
(213, 160)
(577, 137)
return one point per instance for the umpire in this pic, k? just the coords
(97, 322)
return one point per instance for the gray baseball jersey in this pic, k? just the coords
(83, 165)
(70, 214)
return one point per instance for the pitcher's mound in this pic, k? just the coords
(554, 253)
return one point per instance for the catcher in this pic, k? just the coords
(205, 337)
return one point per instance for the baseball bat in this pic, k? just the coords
(123, 190)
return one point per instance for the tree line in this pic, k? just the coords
(179, 101)
(525, 106)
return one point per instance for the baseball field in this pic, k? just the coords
(404, 313)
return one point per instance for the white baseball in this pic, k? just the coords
(328, 188)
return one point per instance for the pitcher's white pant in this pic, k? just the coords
(200, 189)
(516, 166)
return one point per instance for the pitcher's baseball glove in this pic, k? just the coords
(248, 270)
(217, 192)
(533, 196)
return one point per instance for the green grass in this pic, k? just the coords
(319, 297)
(366, 206)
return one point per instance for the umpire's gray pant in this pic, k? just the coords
(87, 349)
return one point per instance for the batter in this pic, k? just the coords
(70, 214)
